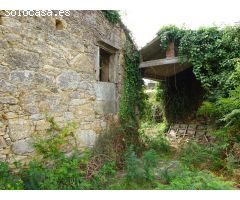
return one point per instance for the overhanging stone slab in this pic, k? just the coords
(159, 62)
(162, 68)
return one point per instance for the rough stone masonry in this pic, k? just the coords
(51, 65)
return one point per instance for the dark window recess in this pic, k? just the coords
(59, 24)
(1, 21)
(104, 65)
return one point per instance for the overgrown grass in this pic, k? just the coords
(174, 175)
(186, 179)
(153, 136)
(155, 168)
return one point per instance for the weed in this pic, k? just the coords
(8, 179)
(193, 154)
(149, 163)
(199, 180)
(135, 172)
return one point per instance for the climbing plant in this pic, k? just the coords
(132, 100)
(170, 33)
(212, 51)
(113, 16)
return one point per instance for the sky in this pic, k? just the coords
(145, 23)
(145, 17)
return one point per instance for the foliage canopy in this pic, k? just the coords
(212, 51)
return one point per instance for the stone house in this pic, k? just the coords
(69, 67)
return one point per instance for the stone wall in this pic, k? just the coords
(47, 69)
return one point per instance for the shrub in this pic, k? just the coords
(202, 180)
(153, 135)
(193, 154)
(207, 109)
(135, 172)
(179, 177)
(153, 111)
(102, 178)
(226, 111)
(63, 173)
(217, 155)
(55, 168)
(234, 79)
(140, 171)
(232, 163)
(8, 179)
(167, 173)
(148, 111)
(111, 143)
(58, 170)
(50, 147)
(209, 156)
(149, 163)
(160, 144)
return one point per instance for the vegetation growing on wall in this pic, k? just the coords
(132, 99)
(159, 167)
(77, 171)
(132, 102)
(168, 34)
(113, 16)
(213, 53)
(58, 167)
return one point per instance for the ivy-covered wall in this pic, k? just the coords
(132, 96)
(213, 53)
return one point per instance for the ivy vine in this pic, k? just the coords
(132, 99)
(132, 104)
(212, 51)
(168, 34)
(113, 16)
